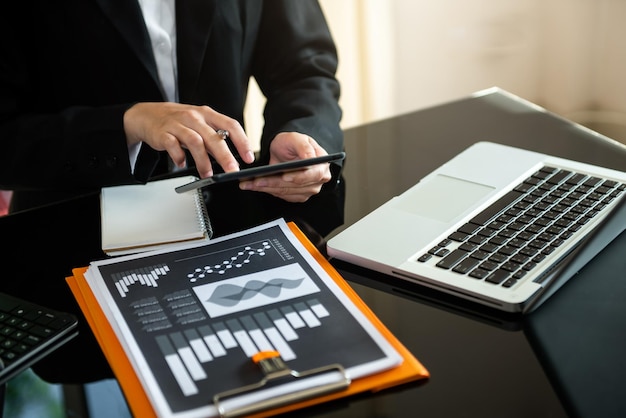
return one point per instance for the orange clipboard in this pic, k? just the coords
(408, 371)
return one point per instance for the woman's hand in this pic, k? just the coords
(174, 127)
(292, 186)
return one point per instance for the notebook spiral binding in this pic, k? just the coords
(203, 214)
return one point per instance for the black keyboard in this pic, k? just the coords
(507, 241)
(28, 332)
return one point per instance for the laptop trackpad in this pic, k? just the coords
(443, 198)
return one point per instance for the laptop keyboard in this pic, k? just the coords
(505, 242)
(27, 332)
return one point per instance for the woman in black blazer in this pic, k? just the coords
(80, 89)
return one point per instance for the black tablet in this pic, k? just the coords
(264, 170)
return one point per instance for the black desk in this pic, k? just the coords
(483, 364)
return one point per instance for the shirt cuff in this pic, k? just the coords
(133, 152)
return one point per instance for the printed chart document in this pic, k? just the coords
(181, 326)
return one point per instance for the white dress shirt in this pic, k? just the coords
(160, 19)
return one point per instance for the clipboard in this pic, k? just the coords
(409, 370)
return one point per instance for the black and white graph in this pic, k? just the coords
(254, 290)
(145, 276)
(192, 314)
(233, 259)
(188, 352)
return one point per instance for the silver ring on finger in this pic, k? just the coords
(222, 134)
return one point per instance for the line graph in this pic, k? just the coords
(238, 259)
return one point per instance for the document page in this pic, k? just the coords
(191, 319)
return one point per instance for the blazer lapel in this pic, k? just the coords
(194, 21)
(127, 18)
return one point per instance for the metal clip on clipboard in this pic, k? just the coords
(280, 386)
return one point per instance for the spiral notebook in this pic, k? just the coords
(143, 217)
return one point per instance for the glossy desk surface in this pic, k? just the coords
(483, 363)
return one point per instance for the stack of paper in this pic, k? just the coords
(180, 327)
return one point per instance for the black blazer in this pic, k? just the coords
(70, 69)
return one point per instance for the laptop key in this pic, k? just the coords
(466, 265)
(478, 273)
(506, 241)
(559, 177)
(496, 208)
(452, 259)
(498, 276)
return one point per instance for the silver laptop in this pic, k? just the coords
(497, 225)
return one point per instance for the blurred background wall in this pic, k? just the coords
(397, 56)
